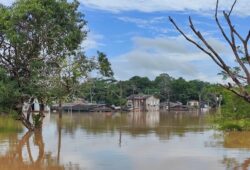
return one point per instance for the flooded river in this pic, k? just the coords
(134, 141)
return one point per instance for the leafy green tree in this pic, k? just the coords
(40, 48)
(139, 84)
(36, 36)
(232, 107)
(67, 82)
(180, 90)
(163, 84)
(197, 90)
(103, 65)
(8, 91)
(103, 91)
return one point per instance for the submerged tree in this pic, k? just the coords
(240, 74)
(40, 48)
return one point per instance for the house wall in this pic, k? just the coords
(137, 104)
(193, 103)
(152, 104)
(148, 104)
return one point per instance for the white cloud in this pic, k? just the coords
(203, 6)
(149, 24)
(241, 8)
(93, 41)
(143, 22)
(173, 55)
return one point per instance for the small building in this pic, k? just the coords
(180, 108)
(173, 106)
(143, 103)
(193, 103)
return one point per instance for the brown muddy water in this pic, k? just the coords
(134, 141)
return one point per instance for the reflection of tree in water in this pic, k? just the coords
(179, 123)
(233, 140)
(14, 159)
(162, 124)
(238, 140)
(232, 163)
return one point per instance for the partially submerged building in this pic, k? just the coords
(173, 106)
(193, 103)
(143, 103)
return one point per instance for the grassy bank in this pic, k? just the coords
(232, 124)
(234, 114)
(8, 124)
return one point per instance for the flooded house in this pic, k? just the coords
(193, 103)
(143, 103)
(173, 106)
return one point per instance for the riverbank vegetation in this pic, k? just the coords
(163, 86)
(234, 113)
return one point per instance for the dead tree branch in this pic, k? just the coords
(240, 78)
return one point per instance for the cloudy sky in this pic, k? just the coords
(139, 39)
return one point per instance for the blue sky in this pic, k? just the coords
(139, 39)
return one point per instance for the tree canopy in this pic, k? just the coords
(36, 37)
(163, 86)
(40, 48)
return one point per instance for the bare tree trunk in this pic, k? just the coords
(59, 127)
(60, 109)
(26, 120)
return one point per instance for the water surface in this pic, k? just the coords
(105, 141)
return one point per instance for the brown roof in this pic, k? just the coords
(138, 96)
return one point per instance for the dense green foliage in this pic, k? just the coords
(8, 90)
(163, 86)
(234, 113)
(41, 53)
(36, 37)
(232, 107)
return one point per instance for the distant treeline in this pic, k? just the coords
(110, 91)
(163, 86)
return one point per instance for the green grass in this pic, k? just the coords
(232, 124)
(9, 124)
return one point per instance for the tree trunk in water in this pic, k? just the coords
(59, 139)
(60, 108)
(37, 119)
(25, 120)
(199, 106)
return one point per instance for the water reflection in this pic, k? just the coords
(140, 119)
(236, 140)
(135, 123)
(134, 141)
(233, 163)
(28, 153)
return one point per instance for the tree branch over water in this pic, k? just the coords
(240, 73)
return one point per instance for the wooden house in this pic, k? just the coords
(193, 103)
(143, 103)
